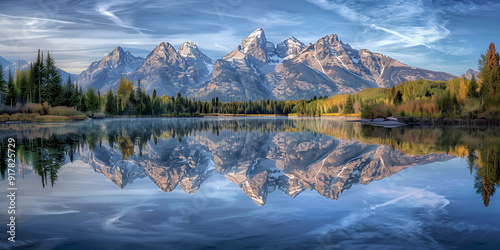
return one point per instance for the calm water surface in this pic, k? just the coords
(265, 183)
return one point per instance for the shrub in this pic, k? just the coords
(375, 111)
(64, 111)
(46, 108)
(418, 108)
(31, 108)
(4, 117)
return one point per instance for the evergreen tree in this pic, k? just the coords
(82, 100)
(392, 94)
(11, 91)
(23, 86)
(156, 106)
(216, 104)
(349, 105)
(3, 84)
(52, 90)
(35, 79)
(139, 98)
(74, 97)
(178, 103)
(99, 98)
(91, 100)
(472, 87)
(148, 105)
(487, 65)
(68, 91)
(398, 98)
(492, 60)
(110, 102)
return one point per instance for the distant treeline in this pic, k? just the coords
(130, 100)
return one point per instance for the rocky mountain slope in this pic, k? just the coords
(117, 63)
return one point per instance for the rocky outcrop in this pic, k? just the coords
(470, 72)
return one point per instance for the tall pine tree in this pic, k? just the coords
(110, 102)
(23, 86)
(471, 89)
(11, 91)
(3, 84)
(67, 95)
(52, 92)
(35, 79)
(488, 65)
(349, 105)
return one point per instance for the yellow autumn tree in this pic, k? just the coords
(463, 90)
(124, 91)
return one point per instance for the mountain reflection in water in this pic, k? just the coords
(260, 155)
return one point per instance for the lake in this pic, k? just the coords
(250, 182)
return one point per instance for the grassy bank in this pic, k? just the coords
(22, 117)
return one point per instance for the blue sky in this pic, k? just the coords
(441, 35)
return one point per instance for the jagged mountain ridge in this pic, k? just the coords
(258, 69)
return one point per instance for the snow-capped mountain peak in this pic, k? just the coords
(194, 57)
(190, 50)
(256, 39)
(289, 48)
(257, 33)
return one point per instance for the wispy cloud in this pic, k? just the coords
(104, 9)
(399, 19)
(37, 19)
(220, 46)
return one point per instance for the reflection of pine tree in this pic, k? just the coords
(488, 173)
(3, 157)
(471, 159)
(48, 158)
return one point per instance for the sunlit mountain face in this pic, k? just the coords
(259, 155)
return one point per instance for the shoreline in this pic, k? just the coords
(388, 122)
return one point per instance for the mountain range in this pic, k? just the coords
(255, 69)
